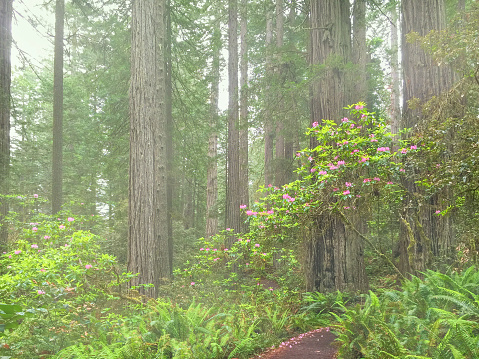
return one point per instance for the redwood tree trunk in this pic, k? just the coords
(244, 186)
(169, 133)
(421, 230)
(268, 120)
(148, 252)
(233, 219)
(334, 258)
(280, 165)
(57, 160)
(212, 170)
(5, 81)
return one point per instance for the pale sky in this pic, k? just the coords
(33, 39)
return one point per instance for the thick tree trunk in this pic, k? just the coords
(233, 219)
(334, 258)
(359, 50)
(148, 252)
(5, 81)
(421, 230)
(244, 185)
(57, 160)
(212, 170)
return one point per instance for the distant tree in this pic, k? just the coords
(5, 81)
(268, 119)
(212, 169)
(57, 161)
(148, 248)
(244, 127)
(233, 219)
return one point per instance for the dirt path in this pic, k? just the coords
(316, 344)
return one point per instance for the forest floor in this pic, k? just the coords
(316, 344)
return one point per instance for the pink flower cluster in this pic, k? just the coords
(288, 197)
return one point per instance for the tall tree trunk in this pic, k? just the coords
(359, 50)
(212, 170)
(169, 133)
(280, 166)
(395, 109)
(334, 258)
(148, 230)
(5, 81)
(57, 160)
(233, 219)
(421, 230)
(244, 185)
(268, 121)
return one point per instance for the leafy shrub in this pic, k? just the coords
(432, 318)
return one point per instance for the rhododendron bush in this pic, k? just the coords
(352, 160)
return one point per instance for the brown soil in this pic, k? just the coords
(316, 344)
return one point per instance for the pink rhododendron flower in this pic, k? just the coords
(35, 195)
(413, 147)
(192, 283)
(315, 124)
(346, 192)
(243, 206)
(40, 292)
(42, 270)
(88, 266)
(390, 182)
(313, 170)
(18, 251)
(359, 107)
(348, 184)
(61, 226)
(256, 245)
(34, 229)
(323, 173)
(438, 211)
(345, 119)
(377, 179)
(46, 237)
(403, 151)
(34, 246)
(366, 180)
(70, 219)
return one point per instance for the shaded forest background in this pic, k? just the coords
(342, 156)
